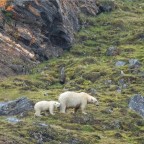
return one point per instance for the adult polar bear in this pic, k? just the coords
(75, 100)
(44, 106)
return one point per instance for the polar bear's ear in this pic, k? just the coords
(92, 100)
(56, 103)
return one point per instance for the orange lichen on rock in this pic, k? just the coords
(9, 8)
(3, 3)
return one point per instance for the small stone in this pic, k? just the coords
(120, 63)
(13, 120)
(108, 82)
(119, 90)
(134, 62)
(107, 111)
(93, 91)
(118, 135)
(45, 94)
(112, 51)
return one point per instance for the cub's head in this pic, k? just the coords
(57, 104)
(93, 100)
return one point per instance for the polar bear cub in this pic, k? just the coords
(75, 100)
(45, 106)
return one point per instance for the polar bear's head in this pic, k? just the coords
(93, 100)
(57, 104)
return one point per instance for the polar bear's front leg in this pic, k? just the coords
(83, 108)
(51, 110)
(62, 108)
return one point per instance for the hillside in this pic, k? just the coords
(32, 31)
(105, 61)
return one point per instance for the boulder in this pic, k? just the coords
(137, 104)
(15, 107)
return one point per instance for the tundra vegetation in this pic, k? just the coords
(89, 67)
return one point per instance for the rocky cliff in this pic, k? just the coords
(36, 30)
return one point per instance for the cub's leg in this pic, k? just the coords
(46, 113)
(51, 110)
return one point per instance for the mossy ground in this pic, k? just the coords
(88, 69)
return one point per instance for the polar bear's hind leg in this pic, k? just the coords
(37, 113)
(76, 108)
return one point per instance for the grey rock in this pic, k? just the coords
(134, 66)
(121, 81)
(108, 82)
(42, 134)
(116, 124)
(2, 104)
(93, 91)
(120, 63)
(74, 141)
(17, 106)
(122, 84)
(137, 104)
(43, 125)
(107, 111)
(84, 119)
(13, 120)
(107, 6)
(141, 73)
(20, 2)
(46, 94)
(134, 62)
(112, 51)
(118, 135)
(89, 9)
(62, 75)
(119, 90)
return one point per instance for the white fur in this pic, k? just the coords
(75, 100)
(44, 106)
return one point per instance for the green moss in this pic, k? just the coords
(87, 69)
(88, 128)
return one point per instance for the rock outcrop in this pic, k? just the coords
(36, 30)
(18, 106)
